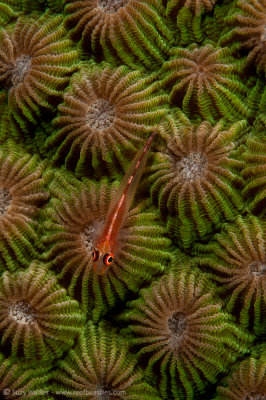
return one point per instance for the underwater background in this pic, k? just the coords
(181, 312)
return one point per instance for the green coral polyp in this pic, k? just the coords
(205, 82)
(248, 381)
(100, 366)
(7, 14)
(198, 6)
(245, 27)
(254, 173)
(35, 65)
(37, 318)
(73, 223)
(174, 326)
(105, 113)
(22, 192)
(195, 178)
(237, 259)
(20, 381)
(129, 32)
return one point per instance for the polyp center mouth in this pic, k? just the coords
(177, 324)
(21, 68)
(258, 268)
(100, 115)
(5, 199)
(22, 312)
(191, 167)
(112, 6)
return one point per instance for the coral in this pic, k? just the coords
(198, 6)
(7, 14)
(247, 382)
(36, 61)
(262, 112)
(104, 113)
(37, 318)
(101, 367)
(237, 258)
(4, 118)
(124, 31)
(195, 178)
(36, 5)
(75, 215)
(182, 334)
(15, 5)
(247, 23)
(22, 191)
(254, 173)
(23, 382)
(204, 81)
(55, 5)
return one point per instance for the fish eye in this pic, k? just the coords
(95, 255)
(108, 258)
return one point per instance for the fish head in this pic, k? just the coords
(102, 257)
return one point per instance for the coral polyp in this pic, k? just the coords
(247, 21)
(254, 172)
(73, 223)
(198, 6)
(130, 32)
(195, 178)
(35, 66)
(204, 82)
(37, 318)
(105, 112)
(7, 14)
(248, 381)
(237, 259)
(101, 367)
(22, 192)
(175, 325)
(20, 381)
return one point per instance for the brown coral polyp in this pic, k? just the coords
(106, 112)
(36, 60)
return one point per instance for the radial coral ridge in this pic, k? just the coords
(128, 31)
(198, 6)
(238, 260)
(75, 217)
(101, 367)
(254, 173)
(195, 178)
(20, 381)
(37, 318)
(247, 382)
(22, 192)
(205, 82)
(36, 60)
(105, 112)
(185, 338)
(7, 14)
(247, 23)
